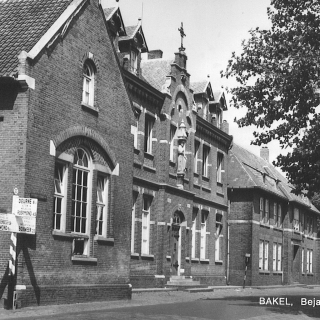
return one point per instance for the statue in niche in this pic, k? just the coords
(182, 159)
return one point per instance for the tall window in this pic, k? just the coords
(193, 240)
(296, 224)
(133, 221)
(88, 84)
(205, 160)
(263, 255)
(264, 210)
(102, 205)
(172, 134)
(203, 235)
(276, 263)
(309, 260)
(219, 167)
(80, 213)
(196, 155)
(59, 198)
(134, 62)
(145, 245)
(149, 122)
(218, 235)
(302, 260)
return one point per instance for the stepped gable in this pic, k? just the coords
(22, 24)
(248, 170)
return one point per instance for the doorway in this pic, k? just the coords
(175, 235)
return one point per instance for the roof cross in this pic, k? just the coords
(182, 34)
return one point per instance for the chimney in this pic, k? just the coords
(155, 54)
(264, 153)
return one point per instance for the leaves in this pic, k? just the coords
(278, 73)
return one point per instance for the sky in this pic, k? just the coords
(213, 28)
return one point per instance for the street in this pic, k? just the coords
(282, 303)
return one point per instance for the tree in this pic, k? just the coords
(278, 75)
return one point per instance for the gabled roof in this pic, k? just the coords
(247, 170)
(155, 71)
(135, 31)
(22, 24)
(199, 87)
(218, 95)
(114, 15)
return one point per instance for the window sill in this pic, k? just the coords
(264, 272)
(83, 259)
(168, 257)
(103, 239)
(195, 259)
(219, 184)
(206, 189)
(196, 185)
(90, 108)
(172, 175)
(196, 174)
(63, 234)
(147, 168)
(204, 261)
(310, 274)
(136, 151)
(218, 262)
(277, 272)
(172, 163)
(147, 256)
(264, 225)
(148, 155)
(135, 255)
(205, 178)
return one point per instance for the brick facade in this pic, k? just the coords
(48, 124)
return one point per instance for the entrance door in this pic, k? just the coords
(176, 249)
(178, 217)
(296, 263)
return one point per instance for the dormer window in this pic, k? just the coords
(88, 84)
(134, 62)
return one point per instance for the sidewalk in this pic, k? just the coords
(145, 297)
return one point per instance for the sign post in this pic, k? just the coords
(247, 257)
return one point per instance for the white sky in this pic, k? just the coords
(213, 28)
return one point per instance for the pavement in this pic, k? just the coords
(158, 296)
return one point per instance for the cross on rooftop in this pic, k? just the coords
(182, 34)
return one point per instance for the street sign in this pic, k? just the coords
(19, 224)
(24, 206)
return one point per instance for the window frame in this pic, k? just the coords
(220, 167)
(173, 130)
(263, 255)
(145, 225)
(203, 234)
(277, 257)
(218, 237)
(148, 133)
(60, 195)
(196, 155)
(104, 204)
(193, 239)
(205, 160)
(88, 85)
(133, 220)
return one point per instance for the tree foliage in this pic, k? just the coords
(278, 75)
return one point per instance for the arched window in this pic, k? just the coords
(88, 84)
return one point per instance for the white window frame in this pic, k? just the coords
(205, 160)
(196, 155)
(133, 220)
(60, 195)
(277, 262)
(261, 209)
(203, 234)
(302, 260)
(149, 124)
(88, 84)
(309, 260)
(193, 240)
(145, 227)
(264, 255)
(266, 211)
(173, 130)
(134, 61)
(220, 159)
(279, 222)
(102, 205)
(296, 219)
(218, 237)
(85, 219)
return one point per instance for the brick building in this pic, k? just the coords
(65, 139)
(179, 181)
(276, 228)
